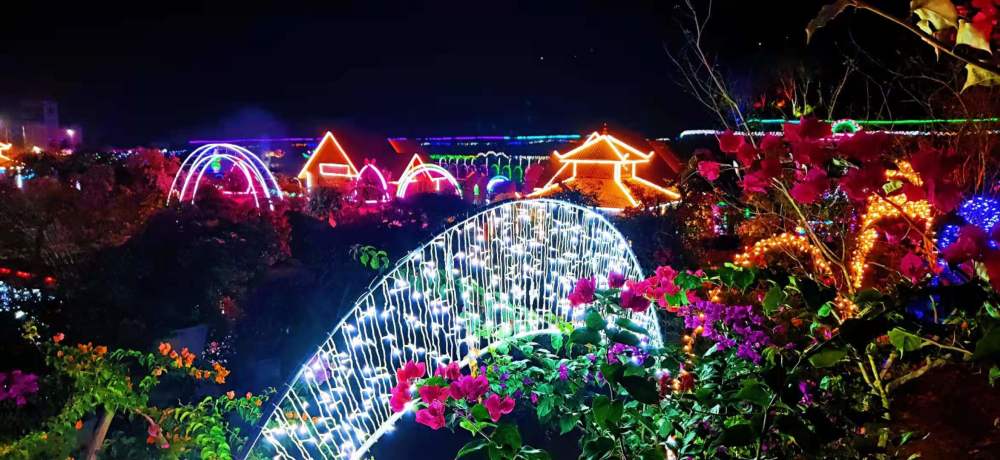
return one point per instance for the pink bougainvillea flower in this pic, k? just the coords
(450, 372)
(912, 267)
(863, 147)
(469, 388)
(633, 299)
(400, 397)
(432, 416)
(755, 183)
(944, 196)
(498, 407)
(746, 155)
(709, 170)
(410, 371)
(772, 145)
(860, 183)
(810, 153)
(913, 192)
(811, 187)
(430, 393)
(969, 245)
(583, 292)
(730, 142)
(616, 279)
(770, 167)
(807, 129)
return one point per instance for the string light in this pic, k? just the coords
(880, 209)
(983, 212)
(756, 256)
(499, 275)
(370, 170)
(442, 175)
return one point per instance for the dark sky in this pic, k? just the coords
(130, 74)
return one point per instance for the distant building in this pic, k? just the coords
(34, 126)
(329, 165)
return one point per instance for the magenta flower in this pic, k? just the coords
(470, 388)
(616, 279)
(432, 416)
(410, 371)
(400, 397)
(430, 393)
(709, 170)
(633, 299)
(498, 407)
(583, 292)
(450, 372)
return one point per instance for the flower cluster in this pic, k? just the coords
(447, 386)
(721, 323)
(17, 385)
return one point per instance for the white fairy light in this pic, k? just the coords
(503, 272)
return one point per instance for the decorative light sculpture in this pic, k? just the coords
(981, 211)
(370, 179)
(436, 174)
(755, 256)
(501, 274)
(880, 209)
(259, 179)
(329, 163)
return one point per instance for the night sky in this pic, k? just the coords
(134, 75)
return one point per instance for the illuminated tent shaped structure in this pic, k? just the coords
(421, 177)
(606, 167)
(371, 186)
(329, 165)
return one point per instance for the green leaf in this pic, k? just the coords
(773, 299)
(825, 310)
(632, 369)
(611, 372)
(753, 391)
(989, 345)
(904, 340)
(740, 434)
(666, 427)
(825, 15)
(507, 435)
(600, 405)
(827, 358)
(994, 375)
(567, 423)
(624, 337)
(472, 447)
(630, 325)
(640, 388)
(585, 336)
(595, 321)
(480, 413)
(556, 340)
(743, 278)
(544, 407)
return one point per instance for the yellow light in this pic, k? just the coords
(756, 255)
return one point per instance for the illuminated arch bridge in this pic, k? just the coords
(502, 273)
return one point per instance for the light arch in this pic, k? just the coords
(505, 270)
(426, 168)
(380, 182)
(259, 177)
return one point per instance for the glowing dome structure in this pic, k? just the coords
(370, 187)
(260, 182)
(435, 176)
(501, 274)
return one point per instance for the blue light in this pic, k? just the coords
(980, 211)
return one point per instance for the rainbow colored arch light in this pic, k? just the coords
(260, 181)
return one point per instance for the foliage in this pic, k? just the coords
(119, 385)
(964, 32)
(371, 257)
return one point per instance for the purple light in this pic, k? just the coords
(253, 139)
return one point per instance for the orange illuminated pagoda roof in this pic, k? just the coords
(605, 167)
